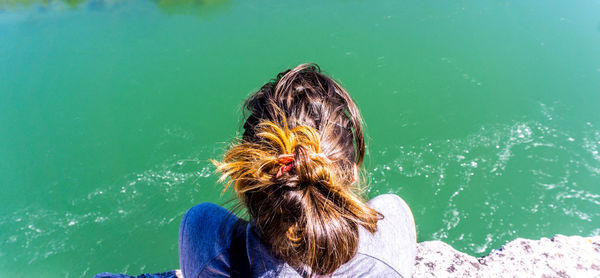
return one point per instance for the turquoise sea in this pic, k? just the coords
(483, 115)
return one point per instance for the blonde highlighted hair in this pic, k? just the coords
(294, 170)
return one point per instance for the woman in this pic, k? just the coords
(296, 172)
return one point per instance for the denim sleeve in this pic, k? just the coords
(204, 241)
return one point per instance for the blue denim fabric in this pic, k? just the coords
(205, 238)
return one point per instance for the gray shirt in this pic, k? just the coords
(390, 252)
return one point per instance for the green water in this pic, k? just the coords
(482, 115)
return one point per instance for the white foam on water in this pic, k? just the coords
(133, 196)
(448, 167)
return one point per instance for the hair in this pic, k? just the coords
(308, 211)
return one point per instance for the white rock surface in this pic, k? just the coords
(561, 256)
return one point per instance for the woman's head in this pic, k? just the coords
(294, 169)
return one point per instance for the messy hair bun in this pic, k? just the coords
(294, 170)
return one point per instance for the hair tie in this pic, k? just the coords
(287, 162)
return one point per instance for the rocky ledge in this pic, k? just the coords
(560, 256)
